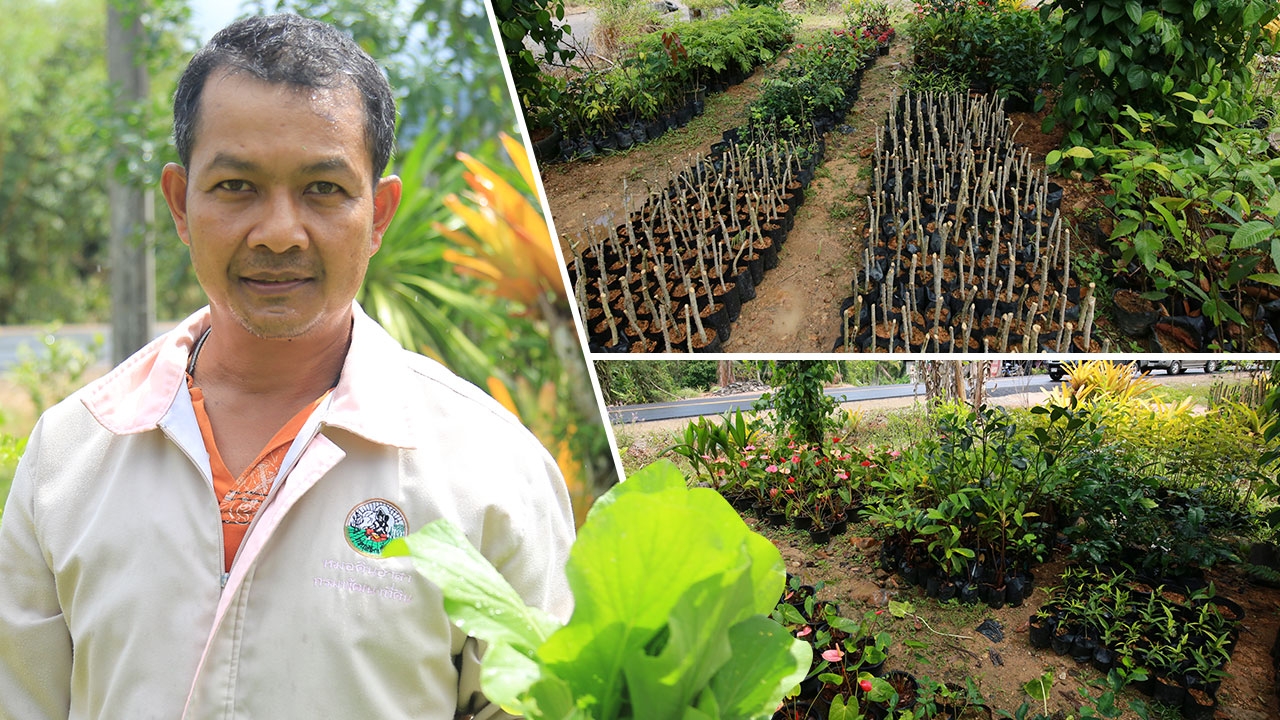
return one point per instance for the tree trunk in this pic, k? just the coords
(724, 373)
(132, 256)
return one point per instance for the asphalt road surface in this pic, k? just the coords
(718, 405)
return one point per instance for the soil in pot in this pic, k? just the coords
(1168, 691)
(903, 683)
(1198, 705)
(1040, 631)
(1134, 314)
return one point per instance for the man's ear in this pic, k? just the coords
(173, 183)
(386, 199)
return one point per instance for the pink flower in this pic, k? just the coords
(773, 492)
(833, 655)
(720, 472)
(749, 448)
(842, 475)
(894, 453)
(771, 468)
(791, 491)
(804, 631)
(795, 458)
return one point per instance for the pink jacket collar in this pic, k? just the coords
(370, 399)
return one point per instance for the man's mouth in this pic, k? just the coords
(274, 284)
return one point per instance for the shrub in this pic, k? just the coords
(1142, 53)
(991, 48)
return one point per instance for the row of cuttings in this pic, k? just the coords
(966, 250)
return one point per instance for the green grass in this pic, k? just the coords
(1198, 393)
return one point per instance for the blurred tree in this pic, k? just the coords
(439, 57)
(60, 140)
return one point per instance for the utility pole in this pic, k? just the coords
(132, 254)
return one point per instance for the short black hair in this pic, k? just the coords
(291, 50)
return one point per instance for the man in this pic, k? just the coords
(197, 533)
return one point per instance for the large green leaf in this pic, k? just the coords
(1251, 233)
(632, 567)
(748, 685)
(478, 599)
(658, 632)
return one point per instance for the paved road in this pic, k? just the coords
(718, 405)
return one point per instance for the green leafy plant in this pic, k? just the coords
(1143, 52)
(799, 400)
(697, 644)
(1200, 223)
(991, 47)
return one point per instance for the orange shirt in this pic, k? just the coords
(240, 498)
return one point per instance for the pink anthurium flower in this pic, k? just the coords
(804, 631)
(833, 655)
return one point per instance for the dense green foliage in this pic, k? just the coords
(989, 47)
(633, 382)
(799, 400)
(1126, 479)
(519, 20)
(1143, 53)
(60, 139)
(1182, 211)
(820, 79)
(654, 75)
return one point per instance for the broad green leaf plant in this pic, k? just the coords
(656, 633)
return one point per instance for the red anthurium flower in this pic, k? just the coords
(773, 492)
(866, 463)
(865, 685)
(791, 491)
(743, 463)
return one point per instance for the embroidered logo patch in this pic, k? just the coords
(374, 523)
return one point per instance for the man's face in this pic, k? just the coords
(279, 206)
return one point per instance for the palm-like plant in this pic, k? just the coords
(410, 288)
(475, 282)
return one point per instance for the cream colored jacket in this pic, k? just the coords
(113, 603)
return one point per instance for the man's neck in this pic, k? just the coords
(234, 359)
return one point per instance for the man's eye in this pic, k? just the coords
(325, 188)
(233, 185)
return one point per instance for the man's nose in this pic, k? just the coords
(280, 225)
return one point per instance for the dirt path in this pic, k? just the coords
(796, 307)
